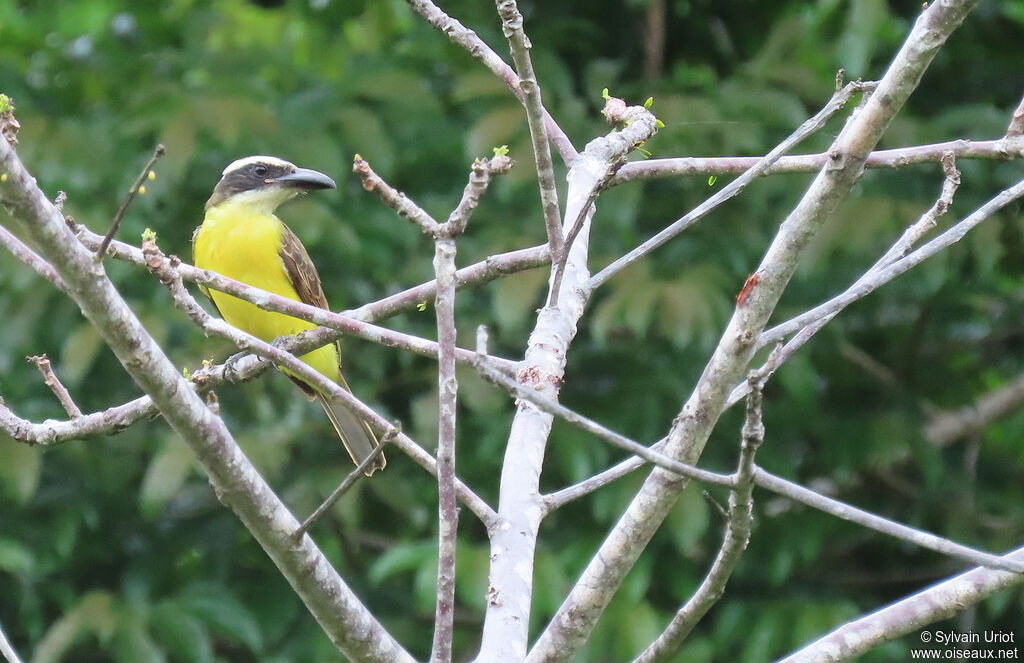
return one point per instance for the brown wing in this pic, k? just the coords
(306, 281)
(301, 270)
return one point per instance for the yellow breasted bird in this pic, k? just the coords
(243, 239)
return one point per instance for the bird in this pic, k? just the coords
(242, 238)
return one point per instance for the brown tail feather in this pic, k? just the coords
(355, 434)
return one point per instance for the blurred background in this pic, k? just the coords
(115, 549)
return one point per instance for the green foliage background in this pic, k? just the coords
(115, 549)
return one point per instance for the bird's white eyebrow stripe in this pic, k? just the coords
(245, 161)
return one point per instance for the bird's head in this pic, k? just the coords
(265, 182)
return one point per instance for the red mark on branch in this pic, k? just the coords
(748, 287)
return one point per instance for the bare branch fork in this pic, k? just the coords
(575, 619)
(448, 514)
(444, 235)
(739, 522)
(897, 251)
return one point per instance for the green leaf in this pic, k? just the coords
(132, 644)
(216, 607)
(78, 353)
(93, 614)
(184, 636)
(402, 558)
(605, 95)
(689, 519)
(165, 476)
(15, 557)
(20, 467)
(649, 103)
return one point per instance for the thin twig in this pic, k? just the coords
(132, 192)
(42, 362)
(1003, 149)
(7, 650)
(519, 44)
(105, 422)
(739, 521)
(466, 38)
(349, 481)
(877, 277)
(392, 197)
(480, 176)
(558, 269)
(649, 454)
(810, 126)
(448, 388)
(816, 500)
(944, 428)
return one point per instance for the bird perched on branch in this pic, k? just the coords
(243, 239)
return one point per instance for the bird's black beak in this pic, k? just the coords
(305, 178)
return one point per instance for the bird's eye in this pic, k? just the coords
(260, 170)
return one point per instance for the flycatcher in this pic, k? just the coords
(243, 239)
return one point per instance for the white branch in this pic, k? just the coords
(521, 506)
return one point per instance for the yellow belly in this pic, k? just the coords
(244, 246)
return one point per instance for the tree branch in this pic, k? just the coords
(26, 255)
(448, 387)
(737, 535)
(834, 507)
(934, 604)
(1004, 149)
(575, 619)
(944, 428)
